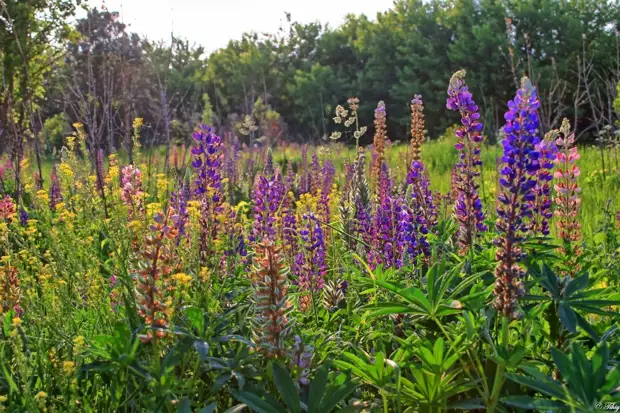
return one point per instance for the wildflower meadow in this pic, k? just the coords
(237, 270)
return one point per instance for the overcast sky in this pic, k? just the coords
(212, 23)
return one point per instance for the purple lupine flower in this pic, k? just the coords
(310, 262)
(421, 198)
(389, 242)
(541, 206)
(55, 193)
(385, 183)
(23, 217)
(521, 162)
(413, 235)
(267, 197)
(468, 208)
(207, 159)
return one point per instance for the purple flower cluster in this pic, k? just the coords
(305, 180)
(310, 265)
(207, 161)
(468, 208)
(420, 197)
(541, 206)
(521, 162)
(267, 197)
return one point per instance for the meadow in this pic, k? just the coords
(428, 276)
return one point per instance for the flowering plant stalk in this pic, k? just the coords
(207, 159)
(567, 192)
(468, 208)
(521, 163)
(310, 265)
(271, 325)
(378, 144)
(153, 280)
(417, 129)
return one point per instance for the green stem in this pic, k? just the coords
(499, 373)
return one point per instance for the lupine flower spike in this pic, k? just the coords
(514, 206)
(468, 208)
(378, 144)
(310, 262)
(207, 159)
(271, 324)
(152, 280)
(541, 205)
(417, 128)
(567, 192)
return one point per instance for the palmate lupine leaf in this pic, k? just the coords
(586, 382)
(571, 298)
(443, 296)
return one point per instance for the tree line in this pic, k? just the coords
(57, 70)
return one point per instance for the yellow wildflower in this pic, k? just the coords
(17, 321)
(182, 278)
(68, 367)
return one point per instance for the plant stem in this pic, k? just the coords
(499, 373)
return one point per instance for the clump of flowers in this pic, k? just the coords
(152, 280)
(10, 292)
(468, 208)
(417, 128)
(132, 194)
(567, 188)
(206, 162)
(271, 324)
(379, 143)
(310, 265)
(514, 206)
(7, 208)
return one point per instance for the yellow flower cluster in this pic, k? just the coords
(182, 278)
(307, 203)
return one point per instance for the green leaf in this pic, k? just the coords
(531, 403)
(575, 285)
(255, 402)
(210, 408)
(567, 317)
(335, 396)
(287, 388)
(317, 389)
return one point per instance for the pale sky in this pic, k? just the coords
(212, 23)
